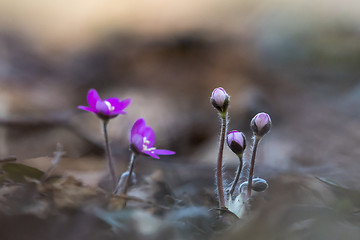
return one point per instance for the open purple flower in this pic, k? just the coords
(107, 108)
(142, 139)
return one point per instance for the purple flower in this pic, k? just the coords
(220, 99)
(105, 109)
(261, 124)
(236, 142)
(142, 139)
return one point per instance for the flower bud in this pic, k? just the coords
(236, 142)
(220, 99)
(261, 124)
(258, 185)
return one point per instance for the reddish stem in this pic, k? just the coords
(251, 173)
(219, 178)
(237, 176)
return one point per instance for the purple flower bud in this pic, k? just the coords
(236, 142)
(220, 99)
(261, 124)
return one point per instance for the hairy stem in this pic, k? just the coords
(251, 173)
(130, 170)
(237, 176)
(219, 178)
(108, 154)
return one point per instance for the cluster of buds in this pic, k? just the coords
(260, 125)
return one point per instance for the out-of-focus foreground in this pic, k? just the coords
(296, 60)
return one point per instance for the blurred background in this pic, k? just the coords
(296, 60)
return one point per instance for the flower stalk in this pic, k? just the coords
(260, 125)
(237, 175)
(220, 100)
(252, 165)
(219, 168)
(108, 153)
(130, 171)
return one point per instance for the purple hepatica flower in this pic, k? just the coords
(142, 139)
(105, 109)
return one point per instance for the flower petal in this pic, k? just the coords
(150, 136)
(118, 105)
(89, 109)
(138, 127)
(163, 152)
(102, 108)
(93, 98)
(151, 154)
(137, 142)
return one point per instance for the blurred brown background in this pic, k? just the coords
(296, 60)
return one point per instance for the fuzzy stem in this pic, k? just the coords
(108, 153)
(237, 176)
(130, 170)
(219, 178)
(251, 173)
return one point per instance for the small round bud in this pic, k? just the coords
(220, 99)
(236, 141)
(261, 124)
(259, 185)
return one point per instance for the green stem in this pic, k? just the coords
(251, 173)
(237, 176)
(108, 153)
(219, 178)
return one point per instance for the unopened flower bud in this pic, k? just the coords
(236, 142)
(261, 124)
(220, 99)
(258, 185)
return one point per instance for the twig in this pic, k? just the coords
(131, 198)
(8, 159)
(54, 162)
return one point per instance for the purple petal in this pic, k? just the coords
(102, 108)
(219, 95)
(138, 127)
(93, 98)
(89, 109)
(150, 136)
(151, 154)
(119, 106)
(118, 112)
(137, 142)
(231, 137)
(163, 152)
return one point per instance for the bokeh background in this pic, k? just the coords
(296, 60)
